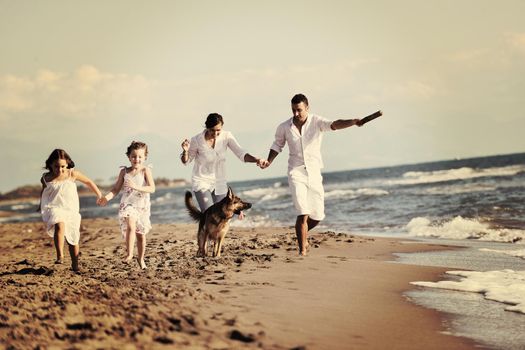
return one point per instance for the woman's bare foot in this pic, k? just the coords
(128, 259)
(59, 260)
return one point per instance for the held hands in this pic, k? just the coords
(102, 201)
(263, 163)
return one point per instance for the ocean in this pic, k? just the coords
(478, 203)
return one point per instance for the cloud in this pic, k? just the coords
(14, 92)
(412, 89)
(78, 94)
(70, 108)
(467, 56)
(516, 41)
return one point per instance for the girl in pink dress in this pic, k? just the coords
(136, 183)
(59, 203)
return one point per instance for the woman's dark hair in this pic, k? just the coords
(213, 119)
(299, 98)
(137, 145)
(56, 155)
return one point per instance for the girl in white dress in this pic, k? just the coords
(59, 203)
(208, 149)
(136, 183)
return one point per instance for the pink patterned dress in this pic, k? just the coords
(135, 204)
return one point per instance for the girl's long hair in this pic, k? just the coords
(56, 155)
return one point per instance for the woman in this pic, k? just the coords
(208, 149)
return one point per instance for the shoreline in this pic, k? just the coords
(344, 294)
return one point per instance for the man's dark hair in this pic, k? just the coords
(299, 98)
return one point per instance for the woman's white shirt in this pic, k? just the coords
(209, 170)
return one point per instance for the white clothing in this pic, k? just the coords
(135, 204)
(307, 192)
(209, 170)
(304, 163)
(304, 146)
(60, 203)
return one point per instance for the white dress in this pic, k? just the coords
(135, 204)
(60, 203)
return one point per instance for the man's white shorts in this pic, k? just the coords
(307, 192)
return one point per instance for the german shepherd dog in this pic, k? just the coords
(215, 221)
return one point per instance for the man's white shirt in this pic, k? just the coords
(304, 146)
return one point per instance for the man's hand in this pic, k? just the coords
(263, 163)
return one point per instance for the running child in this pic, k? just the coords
(59, 203)
(136, 183)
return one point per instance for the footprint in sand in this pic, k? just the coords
(238, 335)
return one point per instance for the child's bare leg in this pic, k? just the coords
(130, 238)
(74, 251)
(59, 242)
(141, 247)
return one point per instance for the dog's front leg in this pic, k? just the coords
(215, 245)
(218, 246)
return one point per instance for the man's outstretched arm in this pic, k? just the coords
(344, 123)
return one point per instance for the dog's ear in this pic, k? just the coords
(230, 193)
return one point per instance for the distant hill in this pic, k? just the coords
(27, 191)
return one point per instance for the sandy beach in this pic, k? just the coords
(260, 294)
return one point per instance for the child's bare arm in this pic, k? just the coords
(41, 191)
(114, 190)
(77, 175)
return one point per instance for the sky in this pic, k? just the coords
(92, 76)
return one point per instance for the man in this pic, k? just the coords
(303, 133)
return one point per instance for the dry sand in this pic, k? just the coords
(259, 294)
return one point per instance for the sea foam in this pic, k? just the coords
(461, 228)
(421, 177)
(352, 194)
(505, 286)
(264, 194)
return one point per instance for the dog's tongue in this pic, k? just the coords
(241, 215)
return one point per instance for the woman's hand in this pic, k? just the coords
(185, 145)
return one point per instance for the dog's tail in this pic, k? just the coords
(192, 209)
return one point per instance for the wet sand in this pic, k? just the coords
(259, 294)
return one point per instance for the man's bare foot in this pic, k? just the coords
(305, 250)
(142, 264)
(59, 260)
